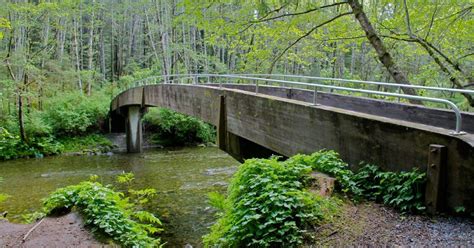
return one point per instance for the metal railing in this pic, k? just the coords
(180, 78)
(341, 80)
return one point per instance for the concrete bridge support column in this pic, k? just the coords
(134, 129)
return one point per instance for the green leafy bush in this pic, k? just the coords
(12, 147)
(74, 114)
(172, 128)
(81, 143)
(107, 211)
(403, 190)
(267, 206)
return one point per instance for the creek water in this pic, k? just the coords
(182, 176)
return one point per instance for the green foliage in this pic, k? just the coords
(329, 162)
(403, 190)
(11, 146)
(172, 128)
(82, 143)
(108, 211)
(267, 206)
(33, 217)
(125, 178)
(3, 197)
(4, 23)
(460, 209)
(74, 113)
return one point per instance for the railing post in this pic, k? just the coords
(399, 92)
(315, 96)
(256, 87)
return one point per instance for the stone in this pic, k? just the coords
(322, 184)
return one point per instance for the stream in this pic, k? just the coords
(182, 176)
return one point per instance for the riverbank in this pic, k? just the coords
(64, 231)
(371, 224)
(364, 224)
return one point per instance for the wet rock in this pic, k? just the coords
(188, 246)
(109, 153)
(220, 184)
(220, 171)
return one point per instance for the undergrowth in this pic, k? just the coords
(11, 146)
(400, 190)
(172, 128)
(91, 141)
(119, 215)
(268, 204)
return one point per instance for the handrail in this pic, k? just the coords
(366, 82)
(453, 106)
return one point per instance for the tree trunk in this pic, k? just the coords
(382, 52)
(21, 122)
(76, 53)
(90, 51)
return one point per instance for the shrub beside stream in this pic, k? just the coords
(268, 204)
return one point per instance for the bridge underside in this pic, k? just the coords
(284, 121)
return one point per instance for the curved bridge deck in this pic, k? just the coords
(285, 121)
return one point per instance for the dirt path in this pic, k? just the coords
(366, 224)
(370, 224)
(64, 231)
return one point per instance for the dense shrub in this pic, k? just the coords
(403, 190)
(11, 146)
(74, 113)
(108, 211)
(172, 128)
(87, 142)
(267, 206)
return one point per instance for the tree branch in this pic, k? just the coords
(304, 36)
(432, 21)
(298, 13)
(464, 56)
(407, 18)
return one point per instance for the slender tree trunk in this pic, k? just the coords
(102, 54)
(76, 53)
(383, 54)
(90, 51)
(21, 121)
(61, 38)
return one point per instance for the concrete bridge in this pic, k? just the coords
(256, 120)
